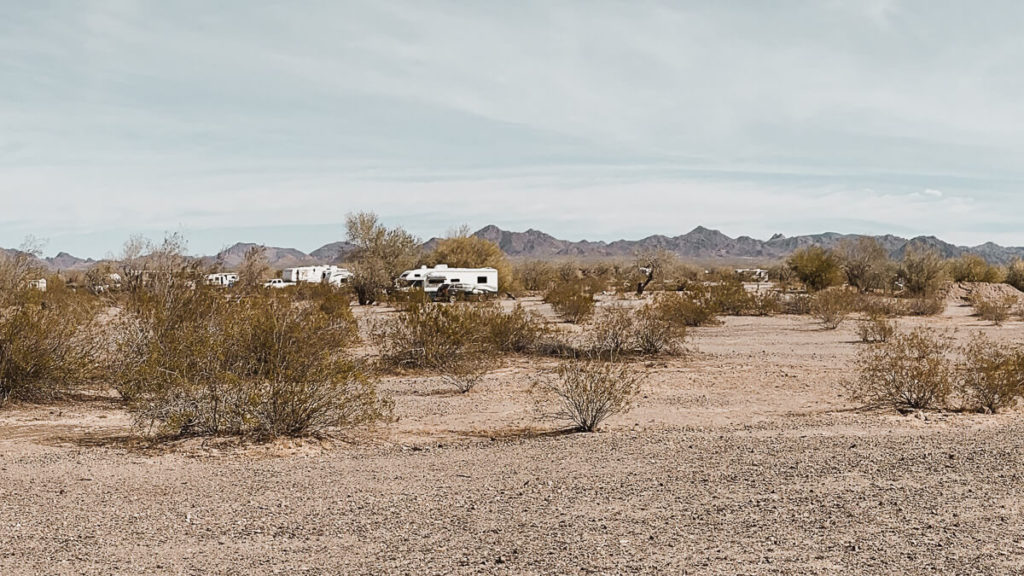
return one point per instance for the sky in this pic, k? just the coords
(269, 121)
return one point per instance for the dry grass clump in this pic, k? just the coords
(588, 392)
(909, 371)
(991, 375)
(190, 361)
(994, 309)
(833, 306)
(572, 300)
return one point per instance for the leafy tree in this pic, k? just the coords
(381, 255)
(816, 267)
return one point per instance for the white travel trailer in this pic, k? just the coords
(38, 284)
(222, 279)
(316, 274)
(441, 281)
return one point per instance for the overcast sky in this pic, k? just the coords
(269, 121)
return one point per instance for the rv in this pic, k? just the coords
(38, 284)
(225, 279)
(316, 274)
(442, 282)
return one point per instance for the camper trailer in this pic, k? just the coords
(315, 274)
(39, 284)
(225, 279)
(441, 281)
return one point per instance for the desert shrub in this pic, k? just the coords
(876, 328)
(653, 329)
(909, 371)
(572, 300)
(693, 307)
(767, 303)
(994, 309)
(816, 267)
(832, 306)
(921, 273)
(535, 275)
(796, 304)
(728, 297)
(1015, 274)
(924, 306)
(47, 345)
(866, 263)
(588, 392)
(974, 268)
(190, 361)
(991, 375)
(430, 335)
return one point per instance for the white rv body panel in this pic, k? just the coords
(464, 280)
(316, 274)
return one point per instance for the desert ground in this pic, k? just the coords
(745, 455)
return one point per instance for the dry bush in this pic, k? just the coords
(816, 267)
(924, 306)
(381, 255)
(993, 309)
(876, 328)
(588, 391)
(991, 375)
(974, 268)
(921, 273)
(612, 333)
(427, 335)
(1015, 274)
(832, 306)
(572, 300)
(465, 369)
(190, 361)
(47, 345)
(535, 275)
(909, 371)
(796, 304)
(866, 263)
(694, 307)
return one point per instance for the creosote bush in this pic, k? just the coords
(816, 267)
(876, 328)
(47, 345)
(429, 335)
(995, 309)
(653, 329)
(588, 392)
(573, 300)
(832, 306)
(910, 371)
(991, 375)
(191, 361)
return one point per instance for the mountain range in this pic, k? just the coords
(698, 244)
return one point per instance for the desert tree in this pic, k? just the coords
(866, 263)
(652, 264)
(381, 254)
(254, 269)
(816, 267)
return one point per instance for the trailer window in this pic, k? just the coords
(456, 280)
(436, 281)
(481, 279)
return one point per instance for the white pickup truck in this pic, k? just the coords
(277, 283)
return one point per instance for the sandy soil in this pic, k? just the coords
(744, 456)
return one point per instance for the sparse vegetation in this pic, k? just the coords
(921, 273)
(381, 255)
(991, 375)
(573, 300)
(876, 328)
(910, 371)
(994, 309)
(833, 306)
(974, 268)
(588, 392)
(191, 362)
(866, 264)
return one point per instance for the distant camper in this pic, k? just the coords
(443, 281)
(225, 279)
(328, 274)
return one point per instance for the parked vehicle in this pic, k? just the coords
(277, 283)
(444, 283)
